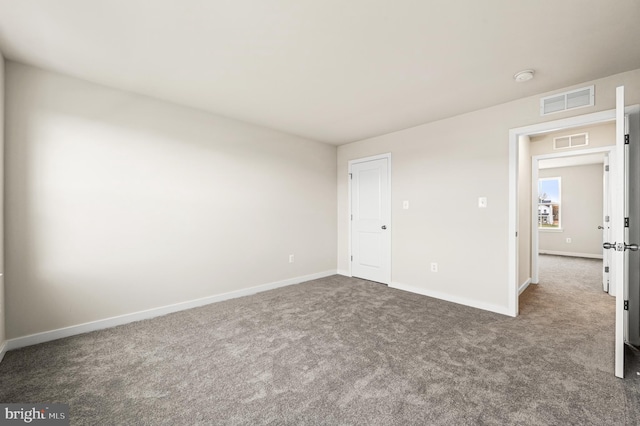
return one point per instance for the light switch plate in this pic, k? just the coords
(482, 202)
(405, 205)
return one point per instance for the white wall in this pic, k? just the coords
(118, 203)
(2, 304)
(450, 163)
(581, 211)
(603, 134)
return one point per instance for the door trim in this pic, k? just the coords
(364, 160)
(514, 134)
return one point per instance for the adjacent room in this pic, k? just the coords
(275, 212)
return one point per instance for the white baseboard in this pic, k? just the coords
(344, 273)
(524, 286)
(47, 336)
(451, 298)
(3, 350)
(570, 254)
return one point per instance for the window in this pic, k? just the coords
(549, 203)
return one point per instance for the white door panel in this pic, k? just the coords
(619, 234)
(606, 231)
(370, 224)
(368, 192)
(369, 245)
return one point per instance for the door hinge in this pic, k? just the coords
(352, 258)
(516, 234)
(606, 269)
(606, 168)
(626, 222)
(626, 305)
(351, 217)
(350, 175)
(626, 139)
(606, 218)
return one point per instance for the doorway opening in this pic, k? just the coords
(569, 204)
(521, 253)
(619, 168)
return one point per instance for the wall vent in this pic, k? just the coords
(571, 141)
(578, 98)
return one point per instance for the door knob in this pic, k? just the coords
(385, 227)
(620, 247)
(600, 227)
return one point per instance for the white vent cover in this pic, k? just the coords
(571, 141)
(568, 100)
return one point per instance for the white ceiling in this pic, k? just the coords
(330, 70)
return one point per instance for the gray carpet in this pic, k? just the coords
(346, 351)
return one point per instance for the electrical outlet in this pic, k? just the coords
(434, 267)
(568, 240)
(482, 202)
(405, 205)
(291, 258)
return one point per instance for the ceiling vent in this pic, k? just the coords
(572, 99)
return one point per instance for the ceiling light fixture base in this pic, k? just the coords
(523, 76)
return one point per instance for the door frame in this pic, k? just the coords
(514, 135)
(535, 167)
(364, 160)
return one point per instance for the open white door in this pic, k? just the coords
(371, 219)
(619, 232)
(606, 227)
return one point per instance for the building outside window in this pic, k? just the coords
(549, 202)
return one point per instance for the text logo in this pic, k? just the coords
(34, 414)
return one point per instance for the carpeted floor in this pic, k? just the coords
(346, 351)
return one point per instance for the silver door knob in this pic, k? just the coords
(609, 246)
(632, 247)
(600, 227)
(384, 226)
